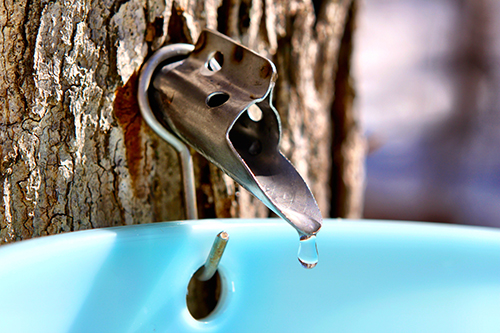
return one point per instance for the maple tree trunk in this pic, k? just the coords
(74, 150)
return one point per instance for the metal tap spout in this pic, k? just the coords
(217, 99)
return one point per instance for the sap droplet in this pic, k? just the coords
(308, 251)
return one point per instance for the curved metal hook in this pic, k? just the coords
(146, 74)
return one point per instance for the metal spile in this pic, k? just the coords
(218, 100)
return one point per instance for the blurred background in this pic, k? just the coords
(428, 82)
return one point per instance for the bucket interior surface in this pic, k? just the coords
(371, 277)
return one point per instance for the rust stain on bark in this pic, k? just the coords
(126, 109)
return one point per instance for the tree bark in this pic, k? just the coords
(74, 150)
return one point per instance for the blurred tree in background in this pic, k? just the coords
(434, 120)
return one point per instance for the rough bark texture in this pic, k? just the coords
(75, 152)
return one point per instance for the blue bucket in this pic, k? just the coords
(371, 277)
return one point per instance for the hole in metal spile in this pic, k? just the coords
(215, 61)
(217, 99)
(255, 113)
(203, 296)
